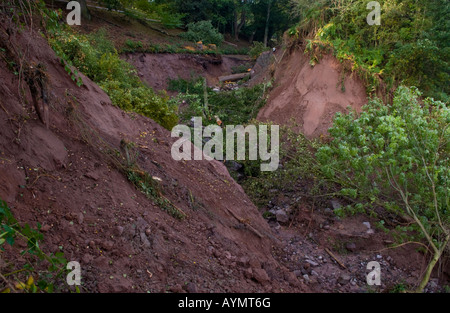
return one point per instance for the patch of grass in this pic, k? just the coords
(399, 288)
(144, 182)
(149, 186)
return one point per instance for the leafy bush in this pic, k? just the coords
(256, 49)
(396, 156)
(133, 46)
(410, 47)
(233, 107)
(243, 68)
(203, 31)
(95, 56)
(299, 168)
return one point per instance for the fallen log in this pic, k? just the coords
(233, 77)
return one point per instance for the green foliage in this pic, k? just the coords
(203, 31)
(256, 49)
(164, 12)
(410, 47)
(225, 49)
(10, 231)
(243, 68)
(95, 56)
(149, 186)
(298, 167)
(233, 107)
(395, 156)
(191, 86)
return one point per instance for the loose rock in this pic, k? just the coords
(344, 279)
(281, 216)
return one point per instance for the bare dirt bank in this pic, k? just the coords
(310, 96)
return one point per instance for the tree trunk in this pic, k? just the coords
(250, 40)
(436, 256)
(233, 77)
(241, 24)
(85, 14)
(266, 31)
(427, 274)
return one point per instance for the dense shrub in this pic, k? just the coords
(410, 47)
(256, 49)
(397, 157)
(203, 31)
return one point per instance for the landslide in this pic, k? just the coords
(157, 69)
(68, 176)
(309, 96)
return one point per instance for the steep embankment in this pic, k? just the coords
(311, 95)
(158, 69)
(66, 178)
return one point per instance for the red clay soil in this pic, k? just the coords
(310, 96)
(158, 69)
(63, 178)
(66, 178)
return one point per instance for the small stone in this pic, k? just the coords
(45, 228)
(335, 204)
(92, 175)
(100, 261)
(87, 259)
(306, 277)
(176, 289)
(315, 264)
(344, 279)
(80, 218)
(314, 273)
(328, 211)
(433, 285)
(260, 275)
(248, 273)
(191, 288)
(379, 256)
(118, 230)
(281, 216)
(243, 261)
(148, 232)
(107, 245)
(367, 224)
(254, 263)
(350, 247)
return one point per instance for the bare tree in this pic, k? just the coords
(266, 31)
(85, 14)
